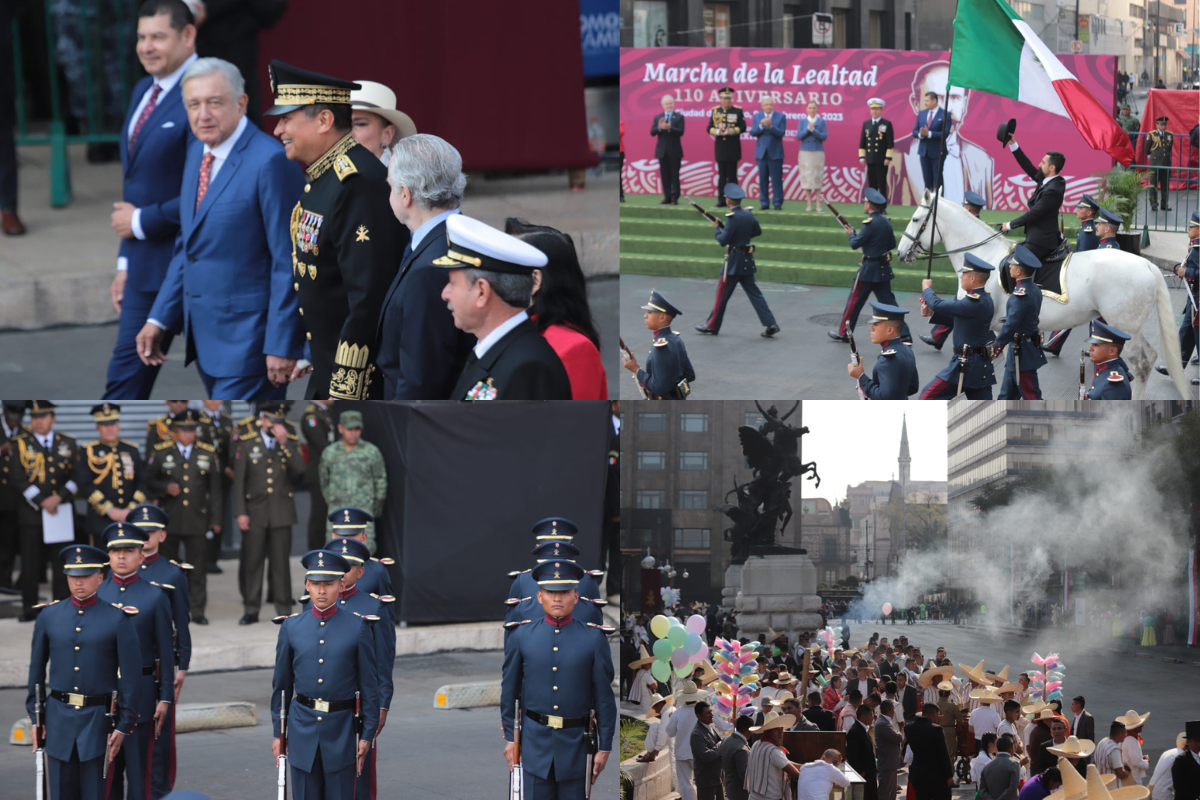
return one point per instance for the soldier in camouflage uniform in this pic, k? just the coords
(319, 432)
(219, 429)
(353, 473)
(109, 474)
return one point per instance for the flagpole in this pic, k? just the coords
(941, 155)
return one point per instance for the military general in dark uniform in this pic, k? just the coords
(876, 143)
(668, 373)
(877, 240)
(346, 243)
(970, 370)
(737, 233)
(1157, 147)
(109, 473)
(725, 124)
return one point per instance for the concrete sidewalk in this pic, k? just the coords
(60, 272)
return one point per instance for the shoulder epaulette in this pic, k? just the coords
(973, 296)
(126, 441)
(595, 573)
(90, 444)
(343, 167)
(866, 221)
(730, 214)
(387, 561)
(163, 445)
(304, 598)
(511, 625)
(163, 585)
(386, 598)
(40, 606)
(130, 610)
(205, 417)
(64, 435)
(1019, 291)
(661, 342)
(366, 617)
(279, 620)
(311, 408)
(515, 601)
(514, 573)
(183, 565)
(606, 629)
(888, 353)
(1115, 377)
(594, 602)
(206, 446)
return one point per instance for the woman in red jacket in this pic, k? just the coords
(560, 309)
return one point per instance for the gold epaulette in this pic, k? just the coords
(606, 629)
(331, 158)
(366, 617)
(126, 441)
(90, 444)
(183, 565)
(385, 561)
(163, 585)
(206, 446)
(40, 606)
(164, 445)
(130, 610)
(514, 624)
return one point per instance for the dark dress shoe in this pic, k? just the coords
(200, 620)
(1161, 370)
(704, 329)
(834, 335)
(932, 342)
(248, 619)
(11, 224)
(664, 202)
(1166, 208)
(770, 331)
(214, 569)
(28, 616)
(675, 202)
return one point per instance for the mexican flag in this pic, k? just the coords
(996, 51)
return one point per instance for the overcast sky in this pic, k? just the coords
(854, 442)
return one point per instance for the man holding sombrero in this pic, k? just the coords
(643, 684)
(768, 764)
(661, 709)
(1131, 748)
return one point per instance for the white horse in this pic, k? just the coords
(1123, 288)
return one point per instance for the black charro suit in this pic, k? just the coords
(421, 353)
(669, 152)
(1041, 220)
(1185, 774)
(521, 365)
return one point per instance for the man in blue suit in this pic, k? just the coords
(420, 352)
(153, 146)
(229, 286)
(768, 129)
(929, 129)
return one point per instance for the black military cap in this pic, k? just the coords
(188, 418)
(82, 559)
(659, 303)
(106, 412)
(1163, 119)
(295, 88)
(38, 408)
(1005, 130)
(16, 407)
(275, 412)
(725, 91)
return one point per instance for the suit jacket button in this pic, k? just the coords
(296, 286)
(309, 334)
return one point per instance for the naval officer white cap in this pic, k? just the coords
(472, 243)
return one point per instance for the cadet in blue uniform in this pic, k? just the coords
(156, 567)
(351, 523)
(109, 473)
(1110, 381)
(974, 203)
(668, 374)
(561, 670)
(739, 268)
(325, 661)
(125, 587)
(1189, 270)
(1106, 228)
(895, 373)
(1020, 328)
(1085, 240)
(93, 650)
(877, 240)
(522, 595)
(970, 371)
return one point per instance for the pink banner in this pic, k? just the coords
(841, 81)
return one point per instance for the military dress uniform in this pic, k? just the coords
(1189, 327)
(941, 329)
(264, 472)
(522, 599)
(1085, 240)
(877, 240)
(561, 670)
(725, 125)
(158, 430)
(1110, 379)
(354, 478)
(93, 651)
(219, 430)
(351, 521)
(109, 475)
(325, 662)
(974, 341)
(346, 245)
(876, 144)
(667, 373)
(198, 506)
(156, 674)
(1158, 155)
(10, 426)
(895, 373)
(741, 226)
(1020, 329)
(320, 431)
(42, 466)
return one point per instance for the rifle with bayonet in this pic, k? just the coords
(514, 781)
(358, 731)
(855, 358)
(1083, 355)
(281, 780)
(111, 725)
(626, 355)
(839, 217)
(962, 368)
(590, 744)
(39, 742)
(707, 215)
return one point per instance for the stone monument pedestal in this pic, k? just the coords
(779, 591)
(733, 585)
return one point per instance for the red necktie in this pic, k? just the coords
(205, 168)
(147, 110)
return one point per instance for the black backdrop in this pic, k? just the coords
(465, 483)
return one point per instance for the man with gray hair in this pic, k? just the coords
(489, 290)
(228, 288)
(420, 352)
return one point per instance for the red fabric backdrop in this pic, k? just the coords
(1183, 109)
(502, 82)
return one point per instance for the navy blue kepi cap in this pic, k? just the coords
(558, 576)
(556, 549)
(1195, 218)
(352, 550)
(883, 311)
(551, 528)
(1102, 333)
(659, 303)
(82, 559)
(321, 565)
(974, 199)
(976, 264)
(1110, 217)
(1087, 201)
(148, 517)
(734, 192)
(1025, 258)
(875, 197)
(349, 518)
(122, 535)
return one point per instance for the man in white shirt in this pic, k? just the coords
(768, 764)
(817, 778)
(987, 751)
(1162, 786)
(657, 740)
(643, 685)
(985, 719)
(679, 728)
(1131, 748)
(1108, 757)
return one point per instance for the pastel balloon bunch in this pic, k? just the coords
(738, 679)
(1047, 682)
(670, 595)
(679, 647)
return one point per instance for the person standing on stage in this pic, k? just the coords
(875, 146)
(668, 127)
(725, 124)
(929, 129)
(768, 129)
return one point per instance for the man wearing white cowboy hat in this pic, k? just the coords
(1131, 748)
(680, 727)
(643, 684)
(377, 123)
(1161, 785)
(661, 709)
(768, 763)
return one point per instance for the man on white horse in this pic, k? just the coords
(970, 370)
(1085, 240)
(1041, 220)
(1189, 270)
(1111, 378)
(1020, 329)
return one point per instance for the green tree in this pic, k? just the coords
(920, 523)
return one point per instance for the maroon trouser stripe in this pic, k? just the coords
(934, 389)
(850, 303)
(717, 300)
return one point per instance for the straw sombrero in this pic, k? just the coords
(689, 694)
(1035, 707)
(976, 673)
(986, 695)
(708, 673)
(1181, 741)
(945, 686)
(999, 677)
(1009, 687)
(1074, 748)
(935, 675)
(772, 721)
(783, 697)
(1132, 719)
(1095, 787)
(786, 679)
(772, 635)
(655, 699)
(643, 661)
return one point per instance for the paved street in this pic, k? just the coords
(423, 752)
(801, 361)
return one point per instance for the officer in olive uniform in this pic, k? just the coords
(1020, 329)
(126, 587)
(561, 669)
(1189, 270)
(877, 240)
(1086, 212)
(43, 464)
(326, 663)
(219, 430)
(346, 242)
(875, 146)
(1110, 379)
(159, 428)
(351, 523)
(941, 329)
(1106, 228)
(1158, 155)
(109, 473)
(155, 567)
(319, 432)
(895, 373)
(970, 371)
(192, 506)
(264, 472)
(10, 426)
(725, 124)
(741, 226)
(668, 373)
(93, 651)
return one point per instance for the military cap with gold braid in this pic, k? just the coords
(188, 418)
(352, 550)
(555, 529)
(476, 244)
(82, 559)
(659, 303)
(556, 549)
(349, 518)
(558, 576)
(148, 517)
(322, 565)
(106, 413)
(123, 535)
(39, 408)
(295, 88)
